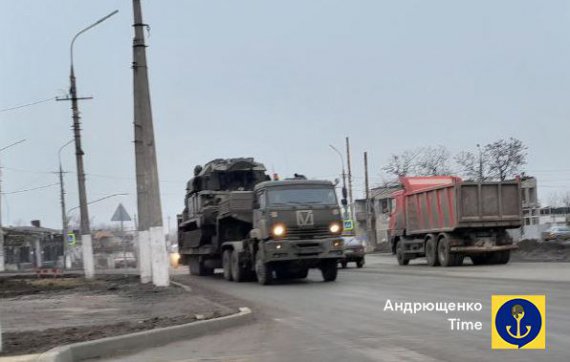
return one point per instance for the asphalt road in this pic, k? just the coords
(344, 321)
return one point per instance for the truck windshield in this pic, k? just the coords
(311, 196)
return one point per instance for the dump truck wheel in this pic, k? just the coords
(264, 271)
(301, 274)
(479, 259)
(431, 252)
(505, 257)
(227, 264)
(360, 263)
(445, 256)
(343, 264)
(402, 259)
(329, 270)
(238, 272)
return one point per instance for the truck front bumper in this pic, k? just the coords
(313, 249)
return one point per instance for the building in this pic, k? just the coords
(27, 247)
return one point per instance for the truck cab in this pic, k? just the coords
(296, 226)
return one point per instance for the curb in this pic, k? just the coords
(126, 343)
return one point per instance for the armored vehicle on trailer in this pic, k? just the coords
(237, 219)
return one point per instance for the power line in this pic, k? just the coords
(26, 105)
(32, 189)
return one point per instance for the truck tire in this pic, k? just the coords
(444, 254)
(239, 273)
(479, 259)
(402, 259)
(431, 251)
(227, 264)
(500, 257)
(360, 263)
(197, 267)
(264, 271)
(329, 270)
(344, 264)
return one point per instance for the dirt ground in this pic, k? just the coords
(532, 250)
(39, 314)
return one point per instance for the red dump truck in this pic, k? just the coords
(446, 219)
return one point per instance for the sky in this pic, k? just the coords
(278, 81)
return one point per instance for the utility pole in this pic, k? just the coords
(343, 200)
(350, 200)
(148, 192)
(64, 231)
(480, 163)
(86, 242)
(2, 261)
(371, 236)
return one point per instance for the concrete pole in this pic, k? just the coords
(86, 243)
(370, 232)
(148, 194)
(350, 200)
(64, 228)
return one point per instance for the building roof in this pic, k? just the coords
(30, 230)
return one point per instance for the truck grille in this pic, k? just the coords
(318, 232)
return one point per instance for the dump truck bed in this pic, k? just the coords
(463, 205)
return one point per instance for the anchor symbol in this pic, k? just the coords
(518, 313)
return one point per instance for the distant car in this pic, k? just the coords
(353, 251)
(557, 233)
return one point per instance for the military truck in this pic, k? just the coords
(238, 219)
(446, 219)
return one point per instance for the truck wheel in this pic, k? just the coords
(479, 259)
(343, 264)
(445, 256)
(360, 263)
(431, 252)
(505, 256)
(197, 267)
(227, 264)
(264, 271)
(402, 259)
(301, 274)
(238, 272)
(329, 270)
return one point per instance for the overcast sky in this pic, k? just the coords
(278, 81)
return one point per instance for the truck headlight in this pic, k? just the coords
(278, 230)
(335, 228)
(337, 244)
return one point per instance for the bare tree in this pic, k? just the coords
(473, 166)
(505, 158)
(433, 161)
(402, 164)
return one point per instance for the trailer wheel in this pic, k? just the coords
(329, 270)
(264, 271)
(402, 259)
(238, 272)
(227, 264)
(446, 257)
(431, 251)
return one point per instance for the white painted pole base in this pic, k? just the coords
(160, 264)
(88, 262)
(145, 264)
(2, 267)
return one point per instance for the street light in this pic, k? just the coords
(66, 260)
(343, 201)
(88, 266)
(1, 232)
(96, 201)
